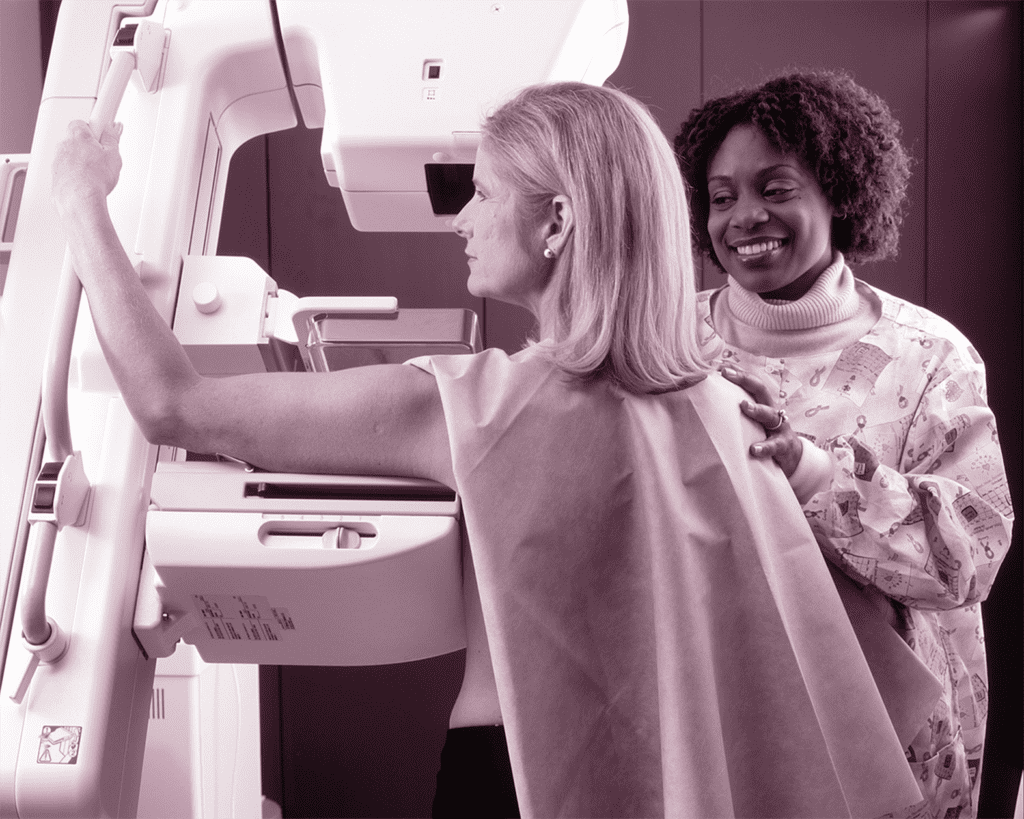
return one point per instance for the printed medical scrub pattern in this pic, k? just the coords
(919, 506)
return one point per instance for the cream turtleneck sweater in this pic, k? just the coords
(834, 313)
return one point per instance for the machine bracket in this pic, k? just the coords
(60, 493)
(145, 40)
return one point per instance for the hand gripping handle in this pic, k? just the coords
(69, 289)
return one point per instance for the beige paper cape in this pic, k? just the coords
(666, 636)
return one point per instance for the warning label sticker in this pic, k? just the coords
(242, 617)
(58, 744)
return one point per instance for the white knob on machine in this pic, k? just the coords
(206, 297)
(341, 538)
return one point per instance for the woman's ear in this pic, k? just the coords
(559, 225)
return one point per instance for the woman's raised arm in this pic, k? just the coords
(384, 420)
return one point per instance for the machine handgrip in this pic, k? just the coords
(69, 290)
(58, 364)
(38, 629)
(122, 63)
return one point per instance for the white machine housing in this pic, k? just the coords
(276, 569)
(409, 83)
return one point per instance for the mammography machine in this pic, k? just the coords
(121, 563)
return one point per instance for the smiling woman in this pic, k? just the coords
(874, 408)
(769, 221)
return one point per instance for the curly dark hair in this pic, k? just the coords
(845, 134)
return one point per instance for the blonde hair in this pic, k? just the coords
(624, 283)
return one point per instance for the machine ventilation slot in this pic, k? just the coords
(450, 186)
(157, 708)
(323, 491)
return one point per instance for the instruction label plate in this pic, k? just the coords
(242, 617)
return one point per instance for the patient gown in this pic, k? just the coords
(665, 634)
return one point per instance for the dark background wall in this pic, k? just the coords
(365, 742)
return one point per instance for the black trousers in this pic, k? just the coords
(475, 779)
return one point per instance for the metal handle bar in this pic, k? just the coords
(69, 291)
(36, 627)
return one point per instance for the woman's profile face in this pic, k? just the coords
(769, 221)
(500, 266)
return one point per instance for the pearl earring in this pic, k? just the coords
(549, 253)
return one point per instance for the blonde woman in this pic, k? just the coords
(650, 626)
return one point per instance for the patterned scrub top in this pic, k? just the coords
(918, 506)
